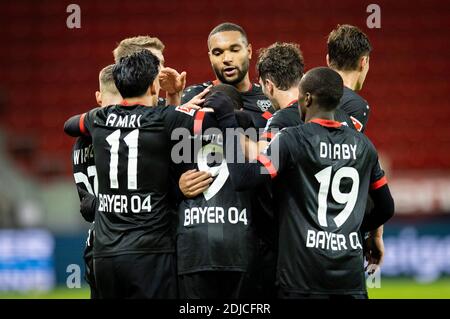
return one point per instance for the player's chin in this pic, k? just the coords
(234, 79)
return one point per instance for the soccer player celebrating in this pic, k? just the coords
(280, 69)
(170, 80)
(348, 55)
(134, 222)
(323, 172)
(84, 171)
(230, 53)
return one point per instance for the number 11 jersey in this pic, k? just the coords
(132, 147)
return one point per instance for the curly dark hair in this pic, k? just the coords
(282, 63)
(134, 73)
(346, 45)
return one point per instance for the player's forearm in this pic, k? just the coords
(72, 126)
(383, 209)
(244, 175)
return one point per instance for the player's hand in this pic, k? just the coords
(194, 182)
(374, 247)
(221, 104)
(197, 101)
(88, 203)
(171, 81)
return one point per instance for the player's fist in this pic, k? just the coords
(221, 104)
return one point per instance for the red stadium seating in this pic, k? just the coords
(49, 72)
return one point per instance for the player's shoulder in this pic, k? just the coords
(193, 90)
(350, 97)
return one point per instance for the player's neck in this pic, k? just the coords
(351, 79)
(323, 115)
(244, 85)
(286, 98)
(146, 100)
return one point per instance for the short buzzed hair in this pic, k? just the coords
(228, 26)
(325, 85)
(106, 80)
(132, 45)
(282, 63)
(346, 45)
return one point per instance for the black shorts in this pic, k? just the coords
(89, 271)
(260, 279)
(211, 285)
(136, 276)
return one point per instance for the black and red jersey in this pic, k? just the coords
(356, 107)
(322, 173)
(290, 116)
(132, 146)
(256, 104)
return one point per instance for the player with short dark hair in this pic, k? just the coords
(348, 54)
(215, 240)
(135, 220)
(230, 53)
(323, 172)
(85, 174)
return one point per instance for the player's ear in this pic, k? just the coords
(363, 62)
(328, 60)
(308, 99)
(270, 86)
(98, 97)
(250, 51)
(153, 89)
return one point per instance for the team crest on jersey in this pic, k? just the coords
(264, 105)
(186, 110)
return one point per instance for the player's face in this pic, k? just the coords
(230, 56)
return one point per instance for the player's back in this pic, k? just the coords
(132, 155)
(322, 198)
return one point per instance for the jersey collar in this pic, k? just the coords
(216, 82)
(126, 103)
(292, 102)
(326, 123)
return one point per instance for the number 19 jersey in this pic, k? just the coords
(323, 172)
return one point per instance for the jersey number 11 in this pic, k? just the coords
(132, 142)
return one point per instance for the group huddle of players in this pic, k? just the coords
(219, 212)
